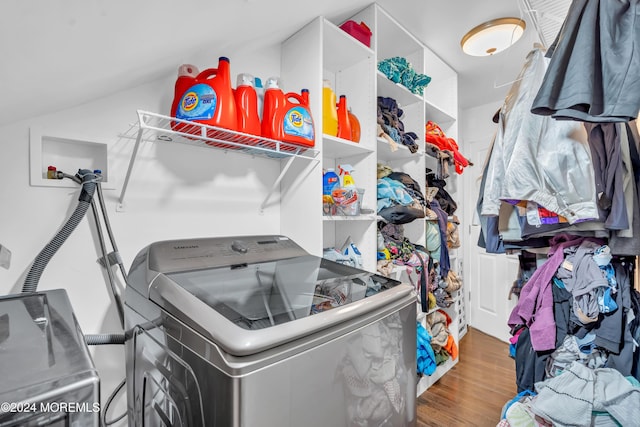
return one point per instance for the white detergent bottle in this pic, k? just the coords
(260, 93)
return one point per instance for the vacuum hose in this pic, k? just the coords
(102, 339)
(88, 181)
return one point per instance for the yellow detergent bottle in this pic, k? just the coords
(329, 111)
(347, 180)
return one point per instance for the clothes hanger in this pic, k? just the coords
(537, 45)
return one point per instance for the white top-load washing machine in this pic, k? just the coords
(253, 331)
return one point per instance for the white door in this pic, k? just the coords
(488, 277)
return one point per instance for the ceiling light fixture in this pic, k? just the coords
(493, 36)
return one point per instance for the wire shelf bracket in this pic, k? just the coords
(153, 127)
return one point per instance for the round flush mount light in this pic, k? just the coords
(493, 36)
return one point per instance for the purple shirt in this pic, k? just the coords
(535, 306)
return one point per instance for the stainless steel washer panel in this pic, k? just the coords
(192, 254)
(45, 361)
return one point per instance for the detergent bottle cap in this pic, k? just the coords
(223, 58)
(258, 82)
(188, 70)
(326, 83)
(272, 83)
(244, 79)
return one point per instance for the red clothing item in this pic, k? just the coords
(451, 347)
(446, 316)
(434, 135)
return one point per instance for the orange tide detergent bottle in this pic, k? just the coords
(293, 122)
(273, 101)
(287, 117)
(206, 98)
(247, 105)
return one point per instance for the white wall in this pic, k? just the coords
(476, 123)
(489, 291)
(175, 192)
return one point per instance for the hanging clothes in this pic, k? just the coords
(604, 142)
(628, 181)
(530, 364)
(582, 277)
(489, 236)
(614, 331)
(594, 74)
(539, 159)
(535, 306)
(627, 242)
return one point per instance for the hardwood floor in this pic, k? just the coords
(475, 390)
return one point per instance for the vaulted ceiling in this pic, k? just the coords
(61, 53)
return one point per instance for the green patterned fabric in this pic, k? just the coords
(399, 70)
(441, 357)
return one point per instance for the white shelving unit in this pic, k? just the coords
(322, 51)
(436, 114)
(439, 104)
(365, 217)
(396, 91)
(428, 381)
(335, 147)
(386, 155)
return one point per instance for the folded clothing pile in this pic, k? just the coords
(389, 114)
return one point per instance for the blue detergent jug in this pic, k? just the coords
(330, 179)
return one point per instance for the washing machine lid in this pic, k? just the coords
(42, 349)
(258, 300)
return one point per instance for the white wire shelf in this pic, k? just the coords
(155, 127)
